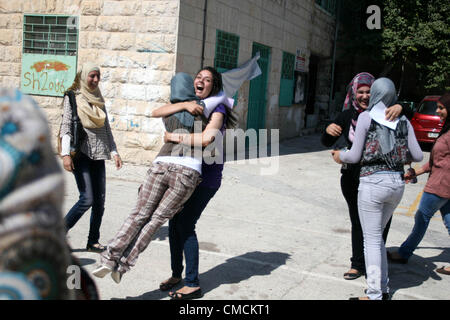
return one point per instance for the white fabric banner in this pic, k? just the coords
(234, 78)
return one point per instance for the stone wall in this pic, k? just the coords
(133, 42)
(139, 45)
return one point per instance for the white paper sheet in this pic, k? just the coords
(378, 114)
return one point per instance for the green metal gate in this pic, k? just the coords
(256, 116)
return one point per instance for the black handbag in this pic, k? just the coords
(77, 130)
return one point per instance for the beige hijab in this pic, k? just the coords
(90, 103)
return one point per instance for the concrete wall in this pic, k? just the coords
(283, 25)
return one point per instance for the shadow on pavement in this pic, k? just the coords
(297, 145)
(86, 261)
(232, 271)
(417, 271)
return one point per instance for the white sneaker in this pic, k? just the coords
(101, 271)
(116, 276)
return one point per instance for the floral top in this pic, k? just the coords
(366, 147)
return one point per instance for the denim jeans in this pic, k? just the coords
(91, 180)
(182, 236)
(379, 194)
(429, 204)
(349, 187)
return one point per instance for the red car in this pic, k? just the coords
(426, 122)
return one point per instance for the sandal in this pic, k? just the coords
(167, 285)
(353, 275)
(443, 270)
(96, 247)
(186, 296)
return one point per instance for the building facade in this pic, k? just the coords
(140, 45)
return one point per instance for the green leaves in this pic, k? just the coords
(419, 32)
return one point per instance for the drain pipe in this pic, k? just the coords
(205, 10)
(334, 57)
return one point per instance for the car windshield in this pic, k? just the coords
(428, 107)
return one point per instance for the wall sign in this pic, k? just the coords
(48, 75)
(300, 61)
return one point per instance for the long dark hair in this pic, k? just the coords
(445, 101)
(231, 118)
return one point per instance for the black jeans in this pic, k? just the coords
(349, 187)
(91, 180)
(182, 236)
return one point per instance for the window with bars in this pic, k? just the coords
(49, 53)
(50, 34)
(328, 5)
(227, 51)
(287, 80)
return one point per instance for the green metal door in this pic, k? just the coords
(256, 116)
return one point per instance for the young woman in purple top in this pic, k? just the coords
(182, 236)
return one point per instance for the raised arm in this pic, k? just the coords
(393, 112)
(171, 108)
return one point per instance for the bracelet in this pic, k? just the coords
(181, 137)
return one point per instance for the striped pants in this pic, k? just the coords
(165, 190)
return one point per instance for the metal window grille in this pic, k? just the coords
(328, 5)
(287, 80)
(287, 71)
(50, 34)
(227, 51)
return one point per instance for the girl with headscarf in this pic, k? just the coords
(172, 179)
(382, 152)
(436, 195)
(340, 134)
(97, 145)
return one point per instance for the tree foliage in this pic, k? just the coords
(414, 38)
(418, 32)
